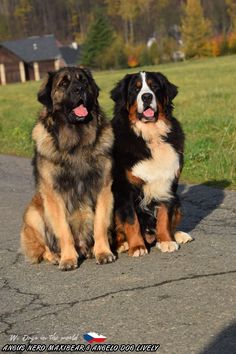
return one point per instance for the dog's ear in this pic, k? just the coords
(89, 76)
(44, 94)
(119, 94)
(170, 89)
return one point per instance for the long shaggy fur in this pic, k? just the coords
(72, 169)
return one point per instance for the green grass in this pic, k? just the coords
(205, 106)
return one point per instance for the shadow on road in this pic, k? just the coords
(199, 201)
(224, 343)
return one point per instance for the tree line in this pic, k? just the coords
(115, 33)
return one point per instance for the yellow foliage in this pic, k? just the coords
(215, 47)
(133, 54)
(218, 46)
(231, 9)
(195, 29)
(232, 41)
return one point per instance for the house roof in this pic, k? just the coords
(34, 48)
(70, 55)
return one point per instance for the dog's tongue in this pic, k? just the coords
(80, 111)
(148, 113)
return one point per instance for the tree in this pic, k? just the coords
(4, 30)
(216, 11)
(195, 29)
(22, 12)
(99, 37)
(231, 9)
(128, 10)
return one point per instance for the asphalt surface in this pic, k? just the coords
(185, 301)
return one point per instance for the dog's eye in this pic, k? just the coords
(64, 83)
(155, 87)
(83, 81)
(137, 89)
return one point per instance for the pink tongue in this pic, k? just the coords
(148, 113)
(80, 111)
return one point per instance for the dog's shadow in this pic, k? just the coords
(225, 342)
(198, 201)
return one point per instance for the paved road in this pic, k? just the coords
(185, 301)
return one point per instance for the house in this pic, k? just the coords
(31, 58)
(70, 54)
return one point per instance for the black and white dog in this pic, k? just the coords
(148, 159)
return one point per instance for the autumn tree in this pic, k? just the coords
(231, 9)
(134, 21)
(128, 10)
(195, 29)
(216, 11)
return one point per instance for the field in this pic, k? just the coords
(205, 106)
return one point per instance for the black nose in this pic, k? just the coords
(147, 97)
(76, 89)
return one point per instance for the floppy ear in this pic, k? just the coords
(89, 76)
(170, 89)
(44, 94)
(120, 91)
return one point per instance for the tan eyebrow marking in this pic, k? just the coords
(138, 84)
(149, 82)
(62, 78)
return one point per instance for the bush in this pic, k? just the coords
(232, 43)
(133, 54)
(218, 46)
(150, 56)
(169, 46)
(113, 57)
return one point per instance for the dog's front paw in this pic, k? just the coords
(55, 259)
(167, 246)
(51, 257)
(137, 251)
(69, 261)
(105, 257)
(182, 237)
(68, 264)
(123, 247)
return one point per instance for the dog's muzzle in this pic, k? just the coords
(148, 115)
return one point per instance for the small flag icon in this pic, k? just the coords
(92, 337)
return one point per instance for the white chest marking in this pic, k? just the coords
(159, 171)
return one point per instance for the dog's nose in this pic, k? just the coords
(77, 89)
(147, 97)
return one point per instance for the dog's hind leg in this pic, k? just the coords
(33, 234)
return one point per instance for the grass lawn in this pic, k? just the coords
(205, 106)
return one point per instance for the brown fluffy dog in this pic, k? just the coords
(71, 210)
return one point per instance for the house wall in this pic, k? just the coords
(11, 65)
(45, 66)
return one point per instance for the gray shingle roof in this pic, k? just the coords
(34, 48)
(70, 55)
